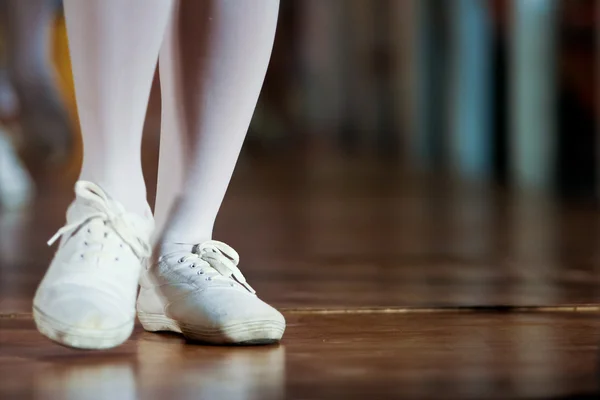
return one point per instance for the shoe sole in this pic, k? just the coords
(80, 338)
(247, 333)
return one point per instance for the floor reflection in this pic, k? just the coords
(162, 367)
(194, 372)
(77, 381)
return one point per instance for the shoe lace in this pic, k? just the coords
(105, 211)
(220, 257)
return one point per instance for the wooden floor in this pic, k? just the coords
(393, 287)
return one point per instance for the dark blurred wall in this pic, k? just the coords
(344, 71)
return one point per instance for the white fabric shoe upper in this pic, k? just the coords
(92, 281)
(203, 287)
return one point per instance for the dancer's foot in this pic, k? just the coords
(87, 298)
(198, 290)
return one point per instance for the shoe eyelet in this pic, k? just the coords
(89, 231)
(121, 245)
(116, 258)
(208, 278)
(181, 260)
(201, 272)
(105, 234)
(81, 256)
(85, 243)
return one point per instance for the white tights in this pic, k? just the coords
(213, 60)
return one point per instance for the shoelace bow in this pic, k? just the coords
(117, 220)
(222, 258)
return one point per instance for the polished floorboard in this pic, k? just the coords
(422, 356)
(393, 285)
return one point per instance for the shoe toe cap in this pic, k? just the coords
(89, 310)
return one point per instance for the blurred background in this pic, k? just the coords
(449, 139)
(494, 90)
(497, 90)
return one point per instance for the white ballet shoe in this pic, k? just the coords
(87, 297)
(201, 293)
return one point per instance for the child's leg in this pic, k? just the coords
(212, 66)
(87, 297)
(114, 45)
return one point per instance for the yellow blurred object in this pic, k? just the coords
(67, 88)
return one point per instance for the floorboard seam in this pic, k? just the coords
(580, 308)
(433, 310)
